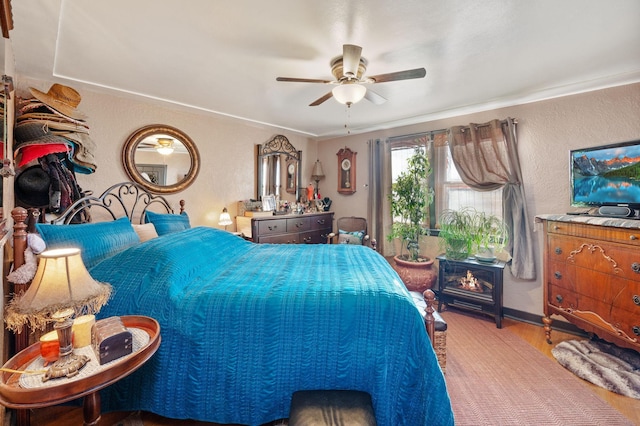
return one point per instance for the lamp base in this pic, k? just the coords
(67, 366)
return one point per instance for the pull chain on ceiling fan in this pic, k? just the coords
(348, 71)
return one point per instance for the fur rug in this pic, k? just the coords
(603, 364)
(134, 419)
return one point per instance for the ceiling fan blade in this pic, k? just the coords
(322, 99)
(350, 59)
(302, 80)
(400, 75)
(374, 98)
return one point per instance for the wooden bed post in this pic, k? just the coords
(21, 339)
(19, 215)
(429, 298)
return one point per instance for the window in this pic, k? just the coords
(450, 192)
(454, 194)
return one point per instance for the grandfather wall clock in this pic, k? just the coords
(346, 171)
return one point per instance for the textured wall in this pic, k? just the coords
(226, 146)
(547, 130)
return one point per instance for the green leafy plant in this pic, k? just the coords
(457, 232)
(490, 233)
(467, 231)
(410, 199)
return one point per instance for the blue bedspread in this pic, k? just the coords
(245, 325)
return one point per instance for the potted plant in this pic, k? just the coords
(410, 199)
(467, 231)
(490, 235)
(457, 232)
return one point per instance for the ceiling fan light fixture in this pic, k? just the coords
(165, 146)
(349, 93)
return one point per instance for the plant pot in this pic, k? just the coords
(416, 276)
(485, 254)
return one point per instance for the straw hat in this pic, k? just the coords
(62, 98)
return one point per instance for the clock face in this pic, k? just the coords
(292, 168)
(346, 164)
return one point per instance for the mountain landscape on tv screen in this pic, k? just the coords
(624, 166)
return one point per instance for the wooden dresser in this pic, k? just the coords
(592, 276)
(308, 228)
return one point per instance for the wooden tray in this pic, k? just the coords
(14, 396)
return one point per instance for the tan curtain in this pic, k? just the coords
(486, 158)
(375, 216)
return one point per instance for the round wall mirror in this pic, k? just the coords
(162, 159)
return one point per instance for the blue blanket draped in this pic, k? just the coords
(244, 325)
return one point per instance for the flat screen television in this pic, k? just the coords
(607, 175)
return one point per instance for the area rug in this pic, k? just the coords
(494, 377)
(603, 364)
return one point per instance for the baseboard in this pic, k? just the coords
(534, 319)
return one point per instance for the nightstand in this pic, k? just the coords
(27, 393)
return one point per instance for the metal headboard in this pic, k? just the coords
(122, 199)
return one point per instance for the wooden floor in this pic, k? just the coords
(65, 416)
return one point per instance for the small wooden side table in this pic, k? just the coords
(62, 390)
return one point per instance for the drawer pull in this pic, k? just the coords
(559, 298)
(557, 274)
(633, 237)
(307, 240)
(636, 330)
(320, 221)
(299, 224)
(273, 227)
(636, 299)
(635, 267)
(558, 250)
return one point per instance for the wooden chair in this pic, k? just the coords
(351, 230)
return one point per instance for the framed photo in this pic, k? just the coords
(268, 203)
(346, 171)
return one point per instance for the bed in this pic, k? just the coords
(244, 325)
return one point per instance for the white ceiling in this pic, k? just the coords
(224, 56)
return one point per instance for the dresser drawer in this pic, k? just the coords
(267, 227)
(299, 224)
(600, 256)
(322, 223)
(561, 297)
(562, 275)
(620, 235)
(280, 239)
(312, 237)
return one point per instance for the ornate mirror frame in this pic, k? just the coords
(132, 143)
(277, 146)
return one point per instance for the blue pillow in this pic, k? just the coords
(166, 223)
(96, 241)
(354, 237)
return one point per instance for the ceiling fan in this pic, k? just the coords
(163, 145)
(348, 71)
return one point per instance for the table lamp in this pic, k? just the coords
(225, 219)
(62, 287)
(317, 173)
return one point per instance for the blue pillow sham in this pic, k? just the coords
(96, 241)
(354, 237)
(166, 223)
